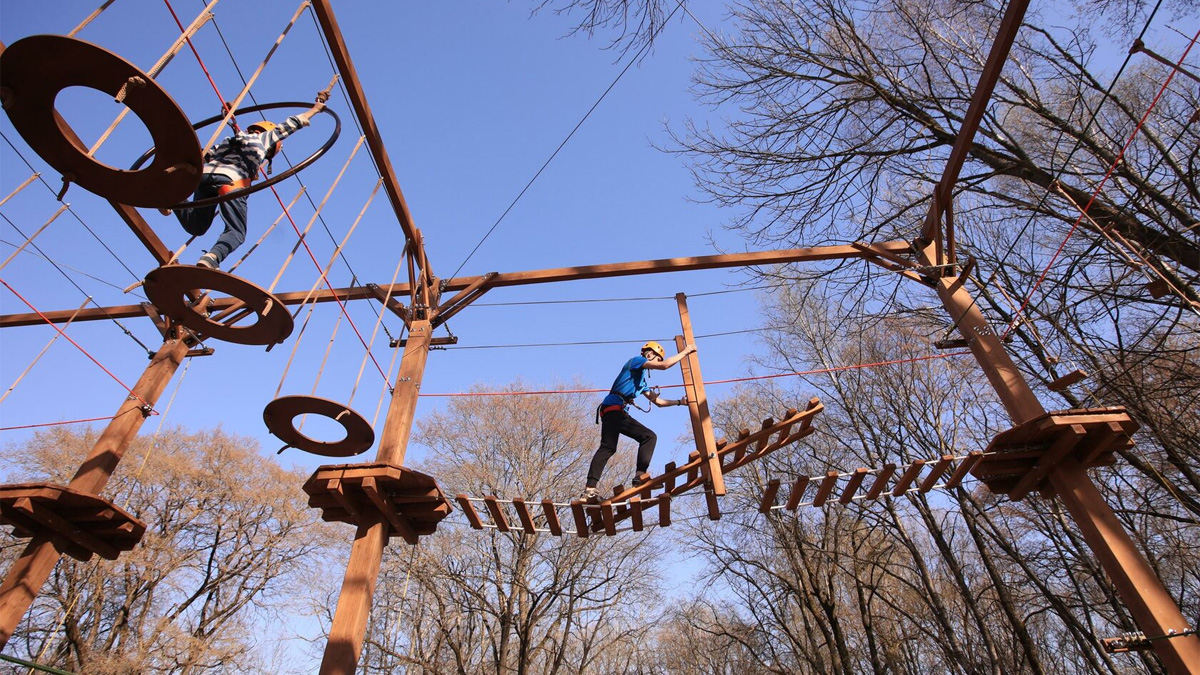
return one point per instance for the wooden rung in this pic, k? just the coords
(669, 471)
(768, 498)
(797, 493)
(617, 490)
(468, 508)
(812, 404)
(762, 442)
(935, 473)
(664, 510)
(551, 514)
(523, 514)
(964, 467)
(493, 508)
(1061, 384)
(606, 515)
(856, 480)
(909, 476)
(885, 474)
(826, 488)
(581, 524)
(1158, 288)
(714, 509)
(740, 451)
(693, 471)
(635, 508)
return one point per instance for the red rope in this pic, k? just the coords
(85, 352)
(286, 212)
(1100, 187)
(818, 371)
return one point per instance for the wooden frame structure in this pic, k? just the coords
(1045, 452)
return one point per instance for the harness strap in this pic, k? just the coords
(235, 185)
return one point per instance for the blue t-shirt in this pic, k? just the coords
(630, 382)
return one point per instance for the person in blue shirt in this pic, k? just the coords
(616, 422)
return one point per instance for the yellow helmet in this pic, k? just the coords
(262, 127)
(656, 348)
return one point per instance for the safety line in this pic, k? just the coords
(91, 17)
(55, 424)
(42, 353)
(1100, 186)
(30, 238)
(149, 407)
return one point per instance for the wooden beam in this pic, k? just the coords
(881, 480)
(551, 514)
(1067, 439)
(581, 524)
(58, 526)
(768, 498)
(469, 511)
(385, 506)
(635, 512)
(825, 489)
(935, 473)
(964, 467)
(907, 478)
(855, 481)
(523, 515)
(797, 493)
(706, 443)
(664, 510)
(497, 514)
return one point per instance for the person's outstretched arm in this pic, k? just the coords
(663, 365)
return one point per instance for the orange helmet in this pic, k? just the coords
(656, 348)
(262, 128)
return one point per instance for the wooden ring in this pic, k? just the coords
(33, 71)
(167, 288)
(280, 415)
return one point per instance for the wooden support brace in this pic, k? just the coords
(964, 467)
(338, 491)
(469, 511)
(852, 486)
(664, 510)
(551, 517)
(797, 493)
(635, 508)
(908, 477)
(523, 515)
(1067, 439)
(497, 514)
(371, 489)
(581, 524)
(936, 473)
(768, 498)
(706, 443)
(885, 474)
(825, 489)
(1112, 433)
(60, 527)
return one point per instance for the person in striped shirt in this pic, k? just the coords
(232, 165)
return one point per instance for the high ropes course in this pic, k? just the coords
(1044, 452)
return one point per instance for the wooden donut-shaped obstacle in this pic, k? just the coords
(280, 417)
(33, 70)
(168, 288)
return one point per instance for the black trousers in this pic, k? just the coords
(613, 425)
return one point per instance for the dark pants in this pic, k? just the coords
(612, 425)
(233, 213)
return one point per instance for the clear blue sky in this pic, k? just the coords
(471, 98)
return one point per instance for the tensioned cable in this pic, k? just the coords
(635, 59)
(42, 353)
(68, 267)
(603, 342)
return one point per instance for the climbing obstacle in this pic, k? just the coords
(170, 286)
(409, 501)
(79, 523)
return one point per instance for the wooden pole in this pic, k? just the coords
(358, 586)
(706, 443)
(24, 580)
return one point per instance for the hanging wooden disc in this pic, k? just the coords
(33, 70)
(280, 416)
(167, 288)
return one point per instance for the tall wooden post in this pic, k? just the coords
(31, 570)
(706, 441)
(358, 586)
(1152, 607)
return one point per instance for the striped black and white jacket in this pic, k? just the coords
(240, 155)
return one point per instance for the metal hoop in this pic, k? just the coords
(167, 288)
(242, 192)
(33, 71)
(280, 415)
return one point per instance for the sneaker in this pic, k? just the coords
(589, 494)
(639, 479)
(165, 212)
(208, 260)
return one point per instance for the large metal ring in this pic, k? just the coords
(280, 415)
(242, 192)
(167, 288)
(33, 70)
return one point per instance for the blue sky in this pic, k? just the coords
(471, 98)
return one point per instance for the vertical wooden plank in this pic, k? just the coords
(935, 473)
(768, 498)
(497, 514)
(707, 444)
(797, 493)
(740, 452)
(551, 514)
(762, 442)
(581, 523)
(606, 516)
(635, 508)
(619, 508)
(909, 476)
(523, 514)
(714, 509)
(964, 467)
(693, 466)
(670, 483)
(825, 489)
(468, 508)
(856, 480)
(885, 474)
(664, 510)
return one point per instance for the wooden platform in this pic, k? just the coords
(410, 501)
(1018, 460)
(81, 524)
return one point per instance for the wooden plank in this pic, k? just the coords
(740, 444)
(964, 467)
(855, 481)
(551, 513)
(635, 508)
(814, 406)
(797, 493)
(581, 524)
(669, 472)
(338, 491)
(1061, 384)
(714, 509)
(908, 477)
(1113, 431)
(371, 489)
(664, 510)
(497, 514)
(881, 481)
(707, 443)
(468, 509)
(768, 498)
(825, 489)
(762, 441)
(523, 515)
(61, 528)
(1067, 439)
(619, 509)
(606, 517)
(936, 473)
